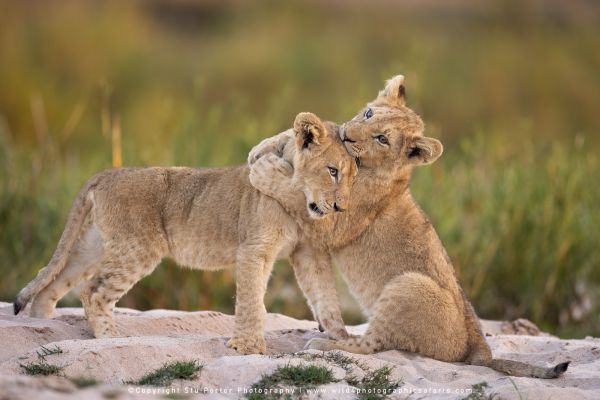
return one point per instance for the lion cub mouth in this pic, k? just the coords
(316, 210)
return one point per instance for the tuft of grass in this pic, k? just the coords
(341, 360)
(375, 385)
(166, 374)
(40, 368)
(479, 393)
(83, 382)
(334, 357)
(302, 377)
(47, 351)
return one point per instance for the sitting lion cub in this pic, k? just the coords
(385, 246)
(125, 221)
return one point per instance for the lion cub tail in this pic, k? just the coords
(79, 211)
(517, 368)
(482, 355)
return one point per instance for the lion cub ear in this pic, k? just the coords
(423, 150)
(309, 130)
(394, 92)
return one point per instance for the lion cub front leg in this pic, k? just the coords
(315, 277)
(253, 268)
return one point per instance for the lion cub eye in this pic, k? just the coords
(369, 113)
(333, 171)
(382, 139)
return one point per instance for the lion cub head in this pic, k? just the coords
(387, 135)
(323, 170)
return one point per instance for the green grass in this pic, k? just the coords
(375, 384)
(520, 224)
(48, 351)
(334, 357)
(40, 368)
(300, 377)
(166, 374)
(478, 392)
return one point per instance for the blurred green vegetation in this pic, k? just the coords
(521, 226)
(511, 88)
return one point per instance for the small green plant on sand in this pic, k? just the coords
(375, 385)
(48, 351)
(478, 392)
(300, 377)
(40, 368)
(166, 374)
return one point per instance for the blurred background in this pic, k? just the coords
(511, 87)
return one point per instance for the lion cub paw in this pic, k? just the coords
(248, 345)
(339, 334)
(269, 168)
(107, 332)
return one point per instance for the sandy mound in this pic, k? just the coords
(156, 337)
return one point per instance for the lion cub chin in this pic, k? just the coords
(125, 221)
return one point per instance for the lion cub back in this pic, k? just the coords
(209, 212)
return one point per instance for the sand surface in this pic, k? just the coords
(153, 338)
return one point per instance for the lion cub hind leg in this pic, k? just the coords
(87, 255)
(413, 313)
(118, 272)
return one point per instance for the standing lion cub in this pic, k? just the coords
(125, 221)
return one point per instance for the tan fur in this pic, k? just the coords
(385, 246)
(201, 218)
